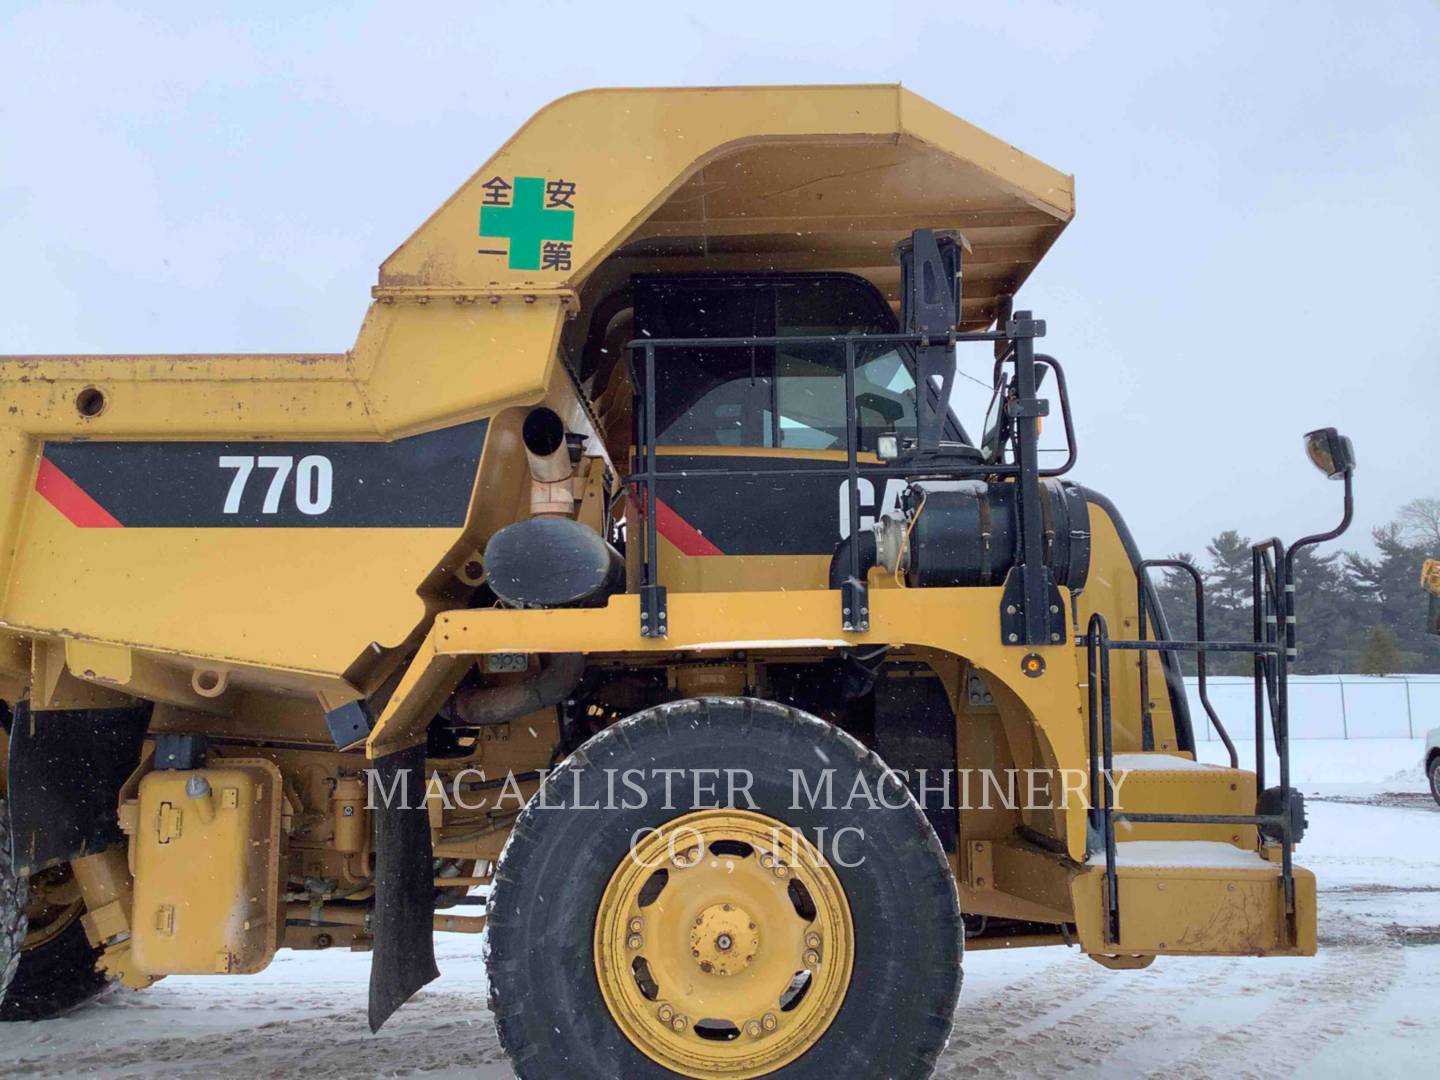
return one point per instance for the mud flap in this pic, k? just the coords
(404, 957)
(915, 736)
(66, 769)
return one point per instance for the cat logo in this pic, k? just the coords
(870, 513)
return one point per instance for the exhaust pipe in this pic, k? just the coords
(552, 491)
(478, 706)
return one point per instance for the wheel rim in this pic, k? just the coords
(53, 903)
(723, 945)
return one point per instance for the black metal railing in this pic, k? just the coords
(1147, 722)
(1014, 345)
(1270, 606)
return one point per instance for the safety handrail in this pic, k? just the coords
(1147, 723)
(1104, 814)
(1017, 333)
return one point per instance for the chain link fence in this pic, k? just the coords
(1327, 706)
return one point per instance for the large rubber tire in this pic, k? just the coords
(13, 923)
(55, 978)
(544, 993)
(1434, 777)
(50, 979)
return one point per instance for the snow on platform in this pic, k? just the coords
(1187, 855)
(1158, 763)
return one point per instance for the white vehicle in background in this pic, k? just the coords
(1430, 582)
(1432, 761)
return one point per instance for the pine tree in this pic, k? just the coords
(1381, 656)
(1389, 586)
(1176, 592)
(1330, 618)
(1353, 612)
(1227, 600)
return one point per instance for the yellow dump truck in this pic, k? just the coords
(631, 592)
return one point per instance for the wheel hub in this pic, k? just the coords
(723, 945)
(53, 903)
(724, 939)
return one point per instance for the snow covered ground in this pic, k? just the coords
(1366, 1006)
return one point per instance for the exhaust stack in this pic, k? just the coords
(552, 490)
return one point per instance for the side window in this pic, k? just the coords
(713, 398)
(810, 397)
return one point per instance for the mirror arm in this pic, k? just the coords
(1320, 538)
(1288, 598)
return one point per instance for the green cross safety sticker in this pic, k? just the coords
(537, 216)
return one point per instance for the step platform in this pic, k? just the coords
(1160, 783)
(1194, 897)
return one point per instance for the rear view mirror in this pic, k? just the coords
(1331, 452)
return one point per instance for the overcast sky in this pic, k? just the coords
(1254, 253)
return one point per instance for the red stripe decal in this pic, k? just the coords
(71, 499)
(690, 540)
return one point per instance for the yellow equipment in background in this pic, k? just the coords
(635, 525)
(1430, 582)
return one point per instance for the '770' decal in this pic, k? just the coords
(314, 481)
(422, 481)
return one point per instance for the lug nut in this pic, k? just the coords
(678, 1024)
(767, 860)
(768, 1022)
(753, 1029)
(665, 1013)
(812, 939)
(636, 925)
(635, 942)
(781, 870)
(812, 958)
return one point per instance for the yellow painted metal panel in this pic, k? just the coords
(963, 622)
(628, 150)
(206, 870)
(1197, 911)
(304, 599)
(1187, 791)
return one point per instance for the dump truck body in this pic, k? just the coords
(644, 443)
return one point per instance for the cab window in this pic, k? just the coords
(790, 396)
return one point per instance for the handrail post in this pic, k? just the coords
(1142, 658)
(1102, 763)
(1258, 668)
(1092, 686)
(1107, 814)
(855, 592)
(1030, 609)
(654, 616)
